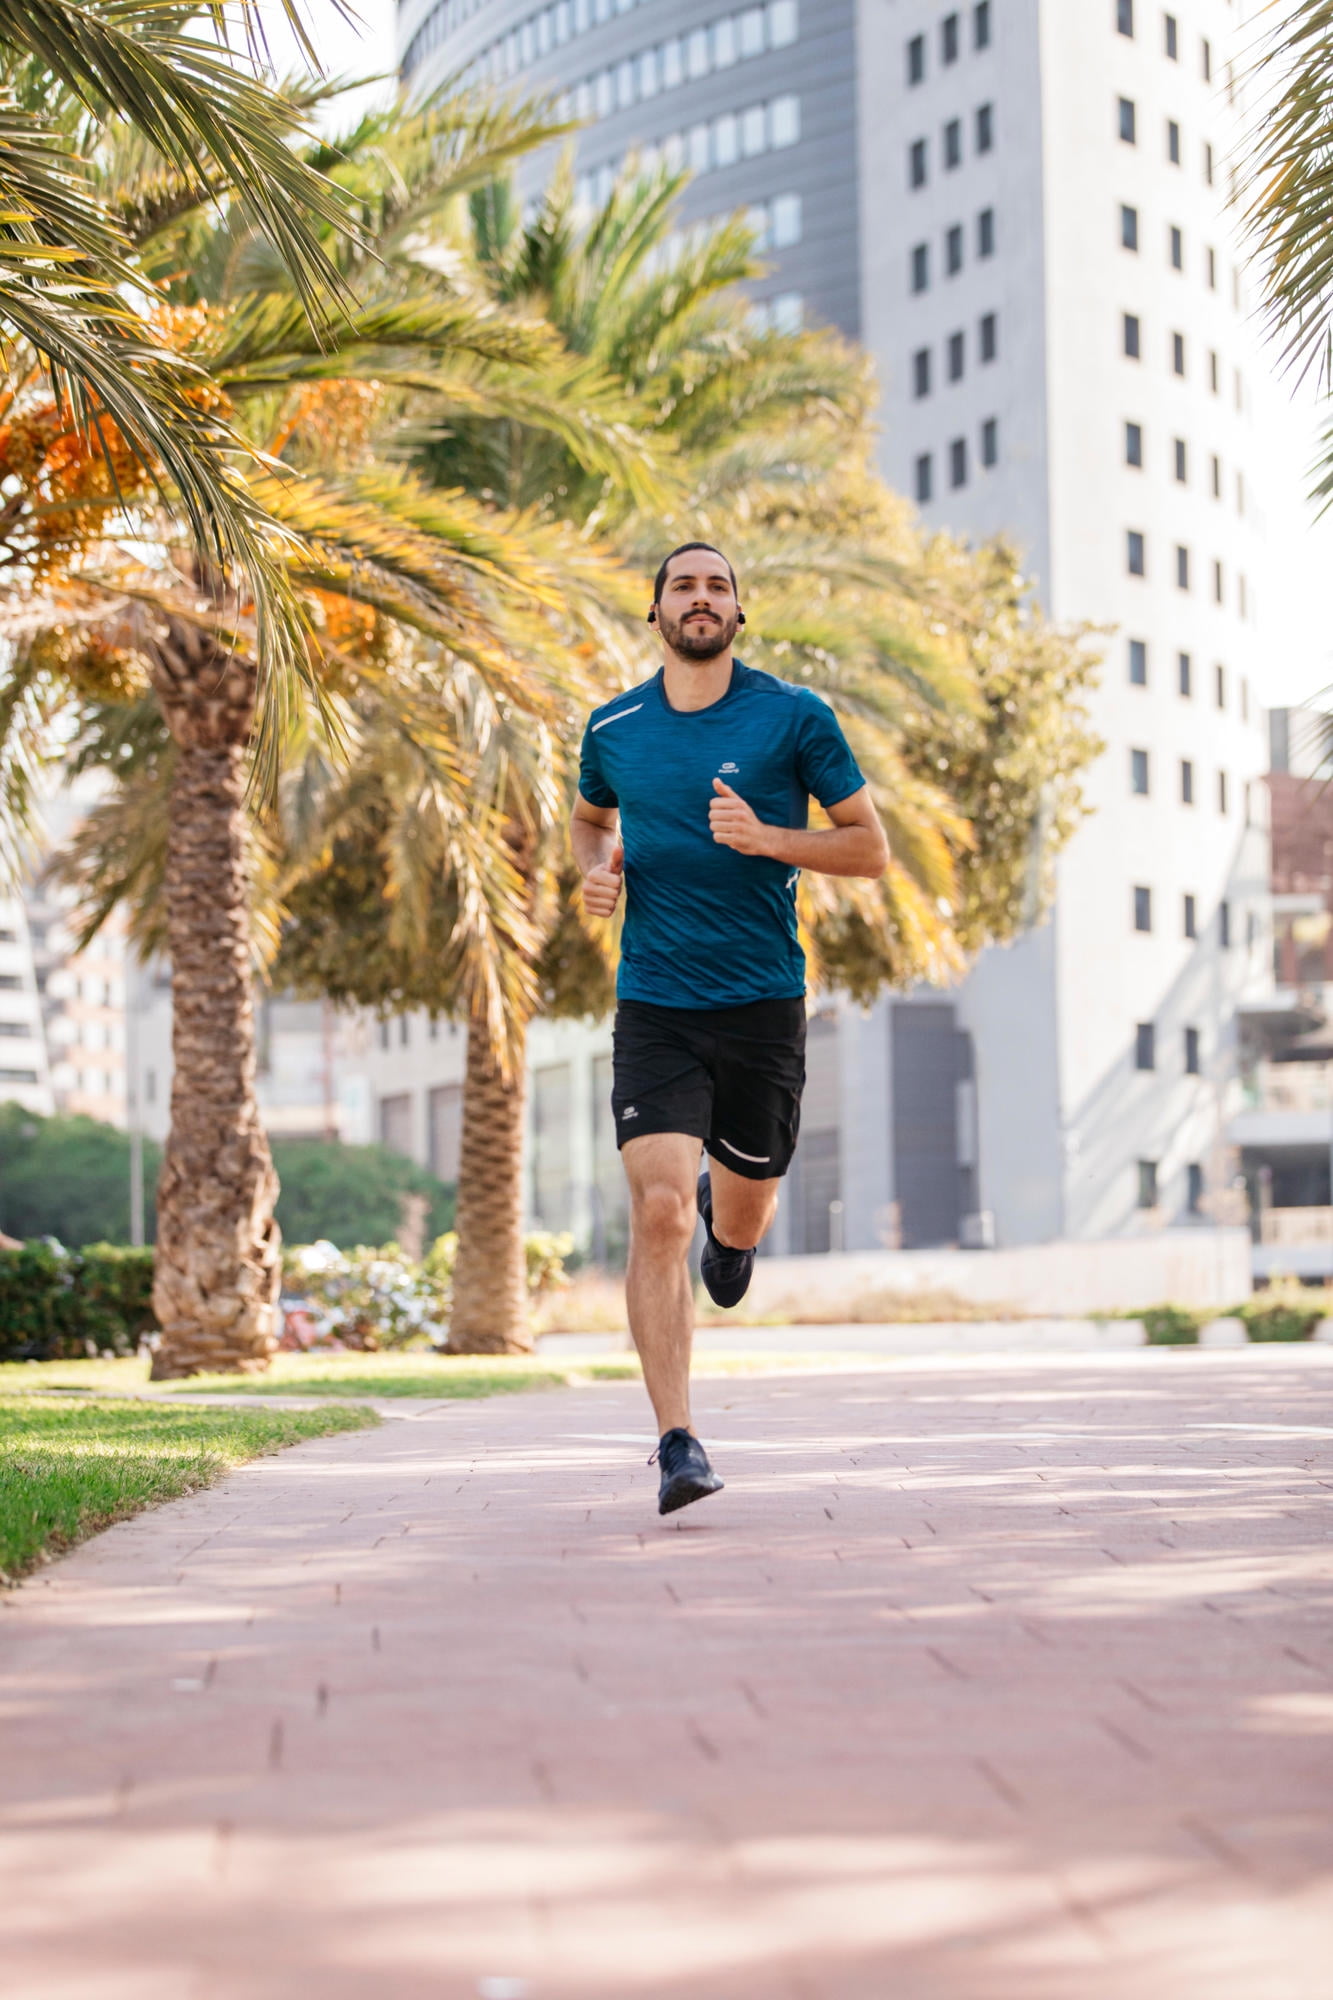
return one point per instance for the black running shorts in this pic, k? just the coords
(731, 1076)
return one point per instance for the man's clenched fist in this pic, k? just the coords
(734, 824)
(601, 888)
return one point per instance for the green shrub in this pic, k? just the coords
(59, 1305)
(1171, 1326)
(1282, 1313)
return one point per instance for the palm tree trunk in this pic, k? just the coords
(490, 1291)
(218, 1270)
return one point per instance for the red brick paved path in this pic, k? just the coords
(980, 1682)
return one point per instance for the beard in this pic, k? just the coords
(703, 641)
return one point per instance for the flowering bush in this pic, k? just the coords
(379, 1298)
(367, 1298)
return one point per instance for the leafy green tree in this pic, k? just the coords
(353, 1195)
(68, 1178)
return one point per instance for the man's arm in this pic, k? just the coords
(598, 855)
(853, 845)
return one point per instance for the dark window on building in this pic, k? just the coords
(1207, 54)
(1186, 782)
(916, 59)
(1129, 227)
(1224, 925)
(1185, 671)
(986, 233)
(1131, 336)
(920, 266)
(953, 249)
(1173, 142)
(1133, 444)
(1138, 663)
(921, 372)
(990, 442)
(1219, 581)
(1220, 685)
(953, 142)
(1142, 909)
(916, 163)
(1182, 461)
(1128, 125)
(1191, 918)
(1147, 1183)
(949, 38)
(981, 25)
(1138, 773)
(1124, 16)
(1134, 553)
(1223, 797)
(1194, 1188)
(1208, 163)
(925, 477)
(985, 127)
(955, 357)
(1171, 36)
(989, 337)
(958, 462)
(1182, 568)
(1217, 477)
(1214, 370)
(1177, 249)
(1177, 354)
(1210, 260)
(1145, 1045)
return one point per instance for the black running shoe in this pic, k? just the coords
(726, 1273)
(686, 1473)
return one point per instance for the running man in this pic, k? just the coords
(694, 792)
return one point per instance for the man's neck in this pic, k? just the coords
(690, 684)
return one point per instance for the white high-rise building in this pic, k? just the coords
(1021, 208)
(1053, 290)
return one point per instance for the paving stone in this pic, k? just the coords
(1002, 1679)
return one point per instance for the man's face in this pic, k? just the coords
(698, 614)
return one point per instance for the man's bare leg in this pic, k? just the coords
(662, 1169)
(743, 1210)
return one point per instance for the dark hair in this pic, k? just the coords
(684, 549)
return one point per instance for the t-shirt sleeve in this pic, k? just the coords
(824, 762)
(592, 780)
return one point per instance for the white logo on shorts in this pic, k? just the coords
(630, 1111)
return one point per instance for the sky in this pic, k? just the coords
(1298, 619)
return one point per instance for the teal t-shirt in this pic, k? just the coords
(704, 925)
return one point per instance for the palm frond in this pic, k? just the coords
(206, 111)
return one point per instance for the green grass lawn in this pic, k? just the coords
(69, 1467)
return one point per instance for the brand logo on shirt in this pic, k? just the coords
(728, 769)
(630, 1111)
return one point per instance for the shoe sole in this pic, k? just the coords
(683, 1491)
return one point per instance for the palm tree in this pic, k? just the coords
(71, 284)
(1289, 206)
(764, 438)
(397, 587)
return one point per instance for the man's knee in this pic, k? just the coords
(663, 1216)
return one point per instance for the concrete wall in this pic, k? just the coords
(1202, 1267)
